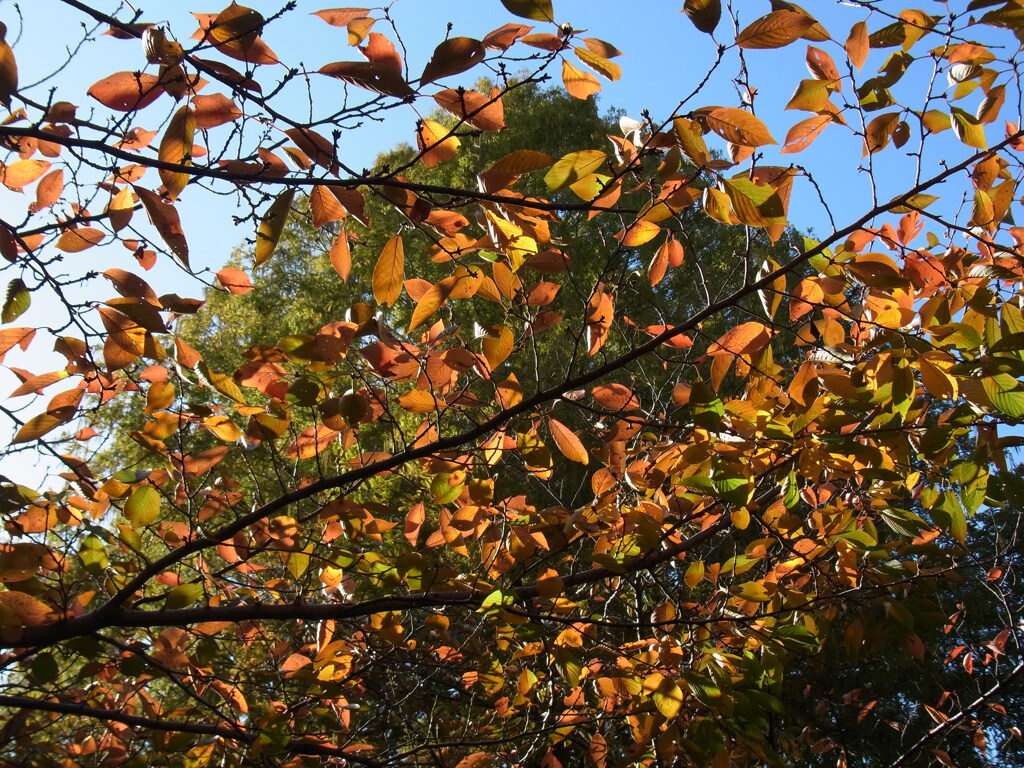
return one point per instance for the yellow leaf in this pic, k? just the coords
(389, 273)
(434, 143)
(176, 148)
(599, 64)
(638, 233)
(269, 232)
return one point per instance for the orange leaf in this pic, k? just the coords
(777, 29)
(48, 191)
(567, 441)
(638, 233)
(311, 442)
(615, 397)
(340, 17)
(213, 110)
(480, 111)
(744, 339)
(803, 133)
(739, 127)
(341, 256)
(578, 83)
(76, 240)
(22, 172)
(235, 280)
(435, 143)
(858, 44)
(389, 273)
(126, 91)
(414, 522)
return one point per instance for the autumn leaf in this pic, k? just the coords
(537, 10)
(579, 84)
(176, 148)
(776, 30)
(165, 218)
(8, 70)
(271, 226)
(435, 143)
(744, 339)
(739, 127)
(568, 442)
(127, 91)
(705, 14)
(389, 273)
(452, 57)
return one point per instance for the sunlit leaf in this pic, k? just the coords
(739, 127)
(389, 273)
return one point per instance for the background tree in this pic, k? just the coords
(575, 456)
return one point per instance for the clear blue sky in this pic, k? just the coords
(665, 60)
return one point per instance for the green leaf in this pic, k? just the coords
(1005, 393)
(183, 596)
(538, 10)
(904, 522)
(968, 129)
(17, 301)
(705, 14)
(573, 167)
(143, 506)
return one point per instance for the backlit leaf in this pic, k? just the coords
(568, 442)
(705, 14)
(538, 10)
(176, 148)
(744, 339)
(579, 84)
(272, 225)
(452, 57)
(777, 29)
(739, 127)
(389, 273)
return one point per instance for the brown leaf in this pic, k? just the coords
(164, 217)
(504, 36)
(452, 57)
(325, 207)
(615, 397)
(705, 14)
(131, 286)
(369, 75)
(340, 17)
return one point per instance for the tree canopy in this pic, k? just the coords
(547, 441)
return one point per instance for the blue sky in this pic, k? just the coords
(665, 58)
